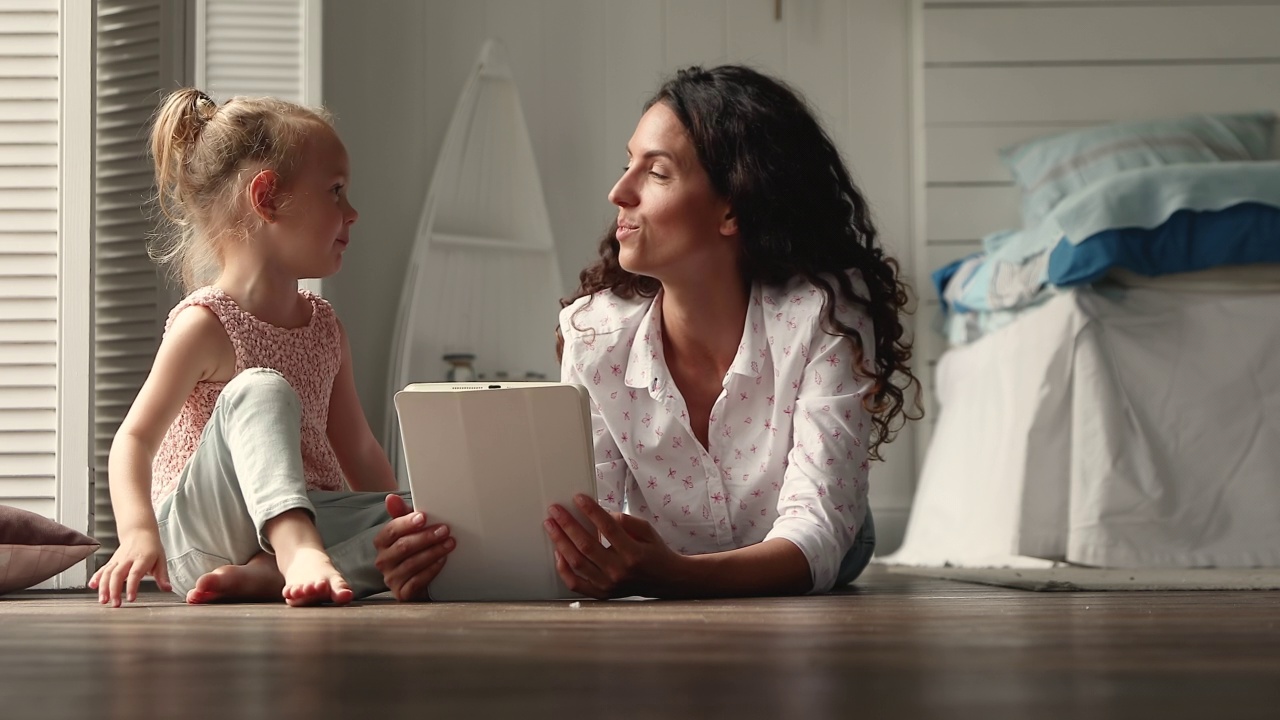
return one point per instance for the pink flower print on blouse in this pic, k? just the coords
(790, 386)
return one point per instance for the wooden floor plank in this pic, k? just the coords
(894, 646)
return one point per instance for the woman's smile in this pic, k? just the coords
(626, 229)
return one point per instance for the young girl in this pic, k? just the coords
(229, 475)
(741, 342)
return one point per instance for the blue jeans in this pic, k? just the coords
(855, 561)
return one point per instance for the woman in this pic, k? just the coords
(740, 337)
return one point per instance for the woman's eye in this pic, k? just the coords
(657, 175)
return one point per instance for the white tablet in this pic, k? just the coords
(488, 459)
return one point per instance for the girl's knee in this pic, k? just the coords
(260, 384)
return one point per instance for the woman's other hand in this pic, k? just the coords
(637, 561)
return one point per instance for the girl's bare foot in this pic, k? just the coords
(311, 579)
(256, 581)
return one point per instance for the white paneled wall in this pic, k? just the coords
(394, 71)
(997, 73)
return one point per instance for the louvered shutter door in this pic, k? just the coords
(130, 298)
(29, 255)
(45, 150)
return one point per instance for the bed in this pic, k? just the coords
(1111, 394)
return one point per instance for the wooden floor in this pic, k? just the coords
(895, 646)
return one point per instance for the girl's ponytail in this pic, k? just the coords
(175, 131)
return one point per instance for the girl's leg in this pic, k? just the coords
(243, 493)
(348, 522)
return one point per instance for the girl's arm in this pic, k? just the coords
(195, 348)
(362, 458)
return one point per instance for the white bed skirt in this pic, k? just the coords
(1114, 428)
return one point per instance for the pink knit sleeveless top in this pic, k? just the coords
(309, 358)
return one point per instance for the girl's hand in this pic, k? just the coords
(140, 554)
(411, 553)
(637, 561)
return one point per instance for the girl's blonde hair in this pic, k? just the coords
(202, 152)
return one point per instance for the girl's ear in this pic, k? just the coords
(263, 194)
(729, 223)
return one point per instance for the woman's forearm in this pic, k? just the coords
(773, 567)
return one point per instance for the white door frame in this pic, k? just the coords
(75, 272)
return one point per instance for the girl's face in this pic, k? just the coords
(671, 223)
(314, 220)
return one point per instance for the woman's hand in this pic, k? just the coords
(410, 553)
(140, 554)
(637, 561)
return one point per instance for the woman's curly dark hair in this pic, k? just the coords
(799, 215)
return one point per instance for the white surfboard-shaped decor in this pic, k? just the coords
(483, 277)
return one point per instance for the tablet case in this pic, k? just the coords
(488, 459)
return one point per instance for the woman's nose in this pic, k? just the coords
(622, 193)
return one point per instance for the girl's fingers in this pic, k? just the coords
(404, 573)
(99, 581)
(161, 575)
(400, 545)
(133, 581)
(116, 586)
(420, 582)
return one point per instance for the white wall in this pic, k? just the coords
(393, 71)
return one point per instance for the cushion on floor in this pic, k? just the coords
(34, 548)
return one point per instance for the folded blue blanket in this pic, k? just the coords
(1189, 240)
(1153, 221)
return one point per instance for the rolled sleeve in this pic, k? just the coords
(823, 499)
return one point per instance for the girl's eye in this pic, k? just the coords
(337, 189)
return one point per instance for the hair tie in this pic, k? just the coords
(202, 101)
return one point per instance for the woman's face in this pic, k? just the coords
(672, 225)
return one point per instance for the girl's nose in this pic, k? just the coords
(352, 214)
